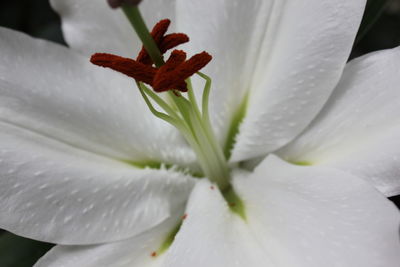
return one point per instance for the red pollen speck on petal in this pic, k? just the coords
(153, 254)
(184, 216)
(212, 187)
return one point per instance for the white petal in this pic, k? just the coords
(267, 40)
(213, 236)
(358, 130)
(56, 193)
(92, 26)
(49, 89)
(300, 58)
(133, 252)
(232, 32)
(296, 216)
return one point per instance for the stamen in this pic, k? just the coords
(172, 40)
(170, 76)
(173, 75)
(157, 33)
(160, 29)
(164, 43)
(127, 66)
(166, 80)
(177, 57)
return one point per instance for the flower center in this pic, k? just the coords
(174, 78)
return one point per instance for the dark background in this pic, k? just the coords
(379, 30)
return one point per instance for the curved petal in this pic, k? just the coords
(358, 130)
(232, 32)
(299, 59)
(49, 89)
(262, 37)
(92, 26)
(53, 192)
(213, 236)
(133, 252)
(296, 216)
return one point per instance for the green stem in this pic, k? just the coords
(192, 97)
(163, 116)
(206, 96)
(136, 19)
(159, 101)
(217, 166)
(206, 117)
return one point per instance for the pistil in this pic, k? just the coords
(173, 77)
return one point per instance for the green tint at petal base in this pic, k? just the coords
(158, 166)
(301, 163)
(237, 119)
(234, 202)
(146, 164)
(168, 240)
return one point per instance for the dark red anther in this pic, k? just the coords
(170, 76)
(172, 40)
(157, 33)
(177, 57)
(166, 79)
(163, 42)
(127, 66)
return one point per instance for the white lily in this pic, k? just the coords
(69, 128)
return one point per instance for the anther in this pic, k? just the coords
(177, 57)
(163, 42)
(167, 79)
(127, 66)
(172, 40)
(157, 33)
(170, 76)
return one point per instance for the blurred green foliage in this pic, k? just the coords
(17, 251)
(380, 27)
(34, 17)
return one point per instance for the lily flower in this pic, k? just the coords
(303, 148)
